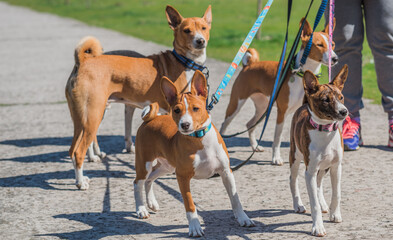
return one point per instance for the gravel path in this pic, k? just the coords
(38, 199)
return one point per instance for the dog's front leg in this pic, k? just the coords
(128, 114)
(194, 227)
(229, 183)
(311, 181)
(335, 175)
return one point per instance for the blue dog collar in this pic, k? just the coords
(201, 133)
(188, 63)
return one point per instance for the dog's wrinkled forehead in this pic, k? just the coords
(328, 91)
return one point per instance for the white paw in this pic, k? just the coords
(153, 204)
(258, 149)
(244, 220)
(94, 158)
(277, 161)
(299, 208)
(194, 229)
(130, 147)
(324, 208)
(83, 184)
(142, 212)
(336, 217)
(102, 155)
(318, 230)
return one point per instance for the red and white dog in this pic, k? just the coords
(187, 142)
(97, 79)
(256, 81)
(316, 139)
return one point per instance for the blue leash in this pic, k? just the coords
(239, 56)
(307, 50)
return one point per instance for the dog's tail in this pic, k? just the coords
(150, 112)
(250, 56)
(86, 48)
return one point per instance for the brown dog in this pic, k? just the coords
(256, 81)
(316, 139)
(134, 81)
(186, 142)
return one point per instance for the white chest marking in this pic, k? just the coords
(212, 158)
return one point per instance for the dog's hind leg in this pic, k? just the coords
(142, 171)
(335, 175)
(260, 102)
(322, 202)
(91, 156)
(160, 169)
(234, 106)
(128, 114)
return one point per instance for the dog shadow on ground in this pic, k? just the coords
(379, 147)
(245, 142)
(216, 225)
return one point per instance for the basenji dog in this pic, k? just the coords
(316, 139)
(186, 143)
(256, 81)
(133, 81)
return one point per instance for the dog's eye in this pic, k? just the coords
(176, 110)
(195, 109)
(341, 97)
(326, 100)
(320, 45)
(203, 28)
(187, 30)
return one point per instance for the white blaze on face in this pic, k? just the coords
(325, 56)
(198, 36)
(186, 118)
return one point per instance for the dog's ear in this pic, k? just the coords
(173, 16)
(341, 77)
(208, 15)
(307, 30)
(310, 82)
(326, 30)
(169, 91)
(198, 84)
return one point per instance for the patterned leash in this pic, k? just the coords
(331, 19)
(239, 56)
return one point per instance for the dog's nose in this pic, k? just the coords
(343, 112)
(200, 41)
(334, 59)
(185, 126)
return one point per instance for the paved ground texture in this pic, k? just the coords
(38, 198)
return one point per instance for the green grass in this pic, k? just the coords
(231, 22)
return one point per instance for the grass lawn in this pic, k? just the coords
(231, 22)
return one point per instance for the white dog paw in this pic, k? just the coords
(244, 220)
(102, 155)
(195, 229)
(258, 149)
(83, 184)
(324, 208)
(142, 212)
(153, 205)
(335, 217)
(299, 209)
(277, 161)
(318, 230)
(94, 158)
(130, 147)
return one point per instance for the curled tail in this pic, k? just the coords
(250, 56)
(86, 48)
(150, 112)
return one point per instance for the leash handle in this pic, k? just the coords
(235, 62)
(307, 50)
(331, 18)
